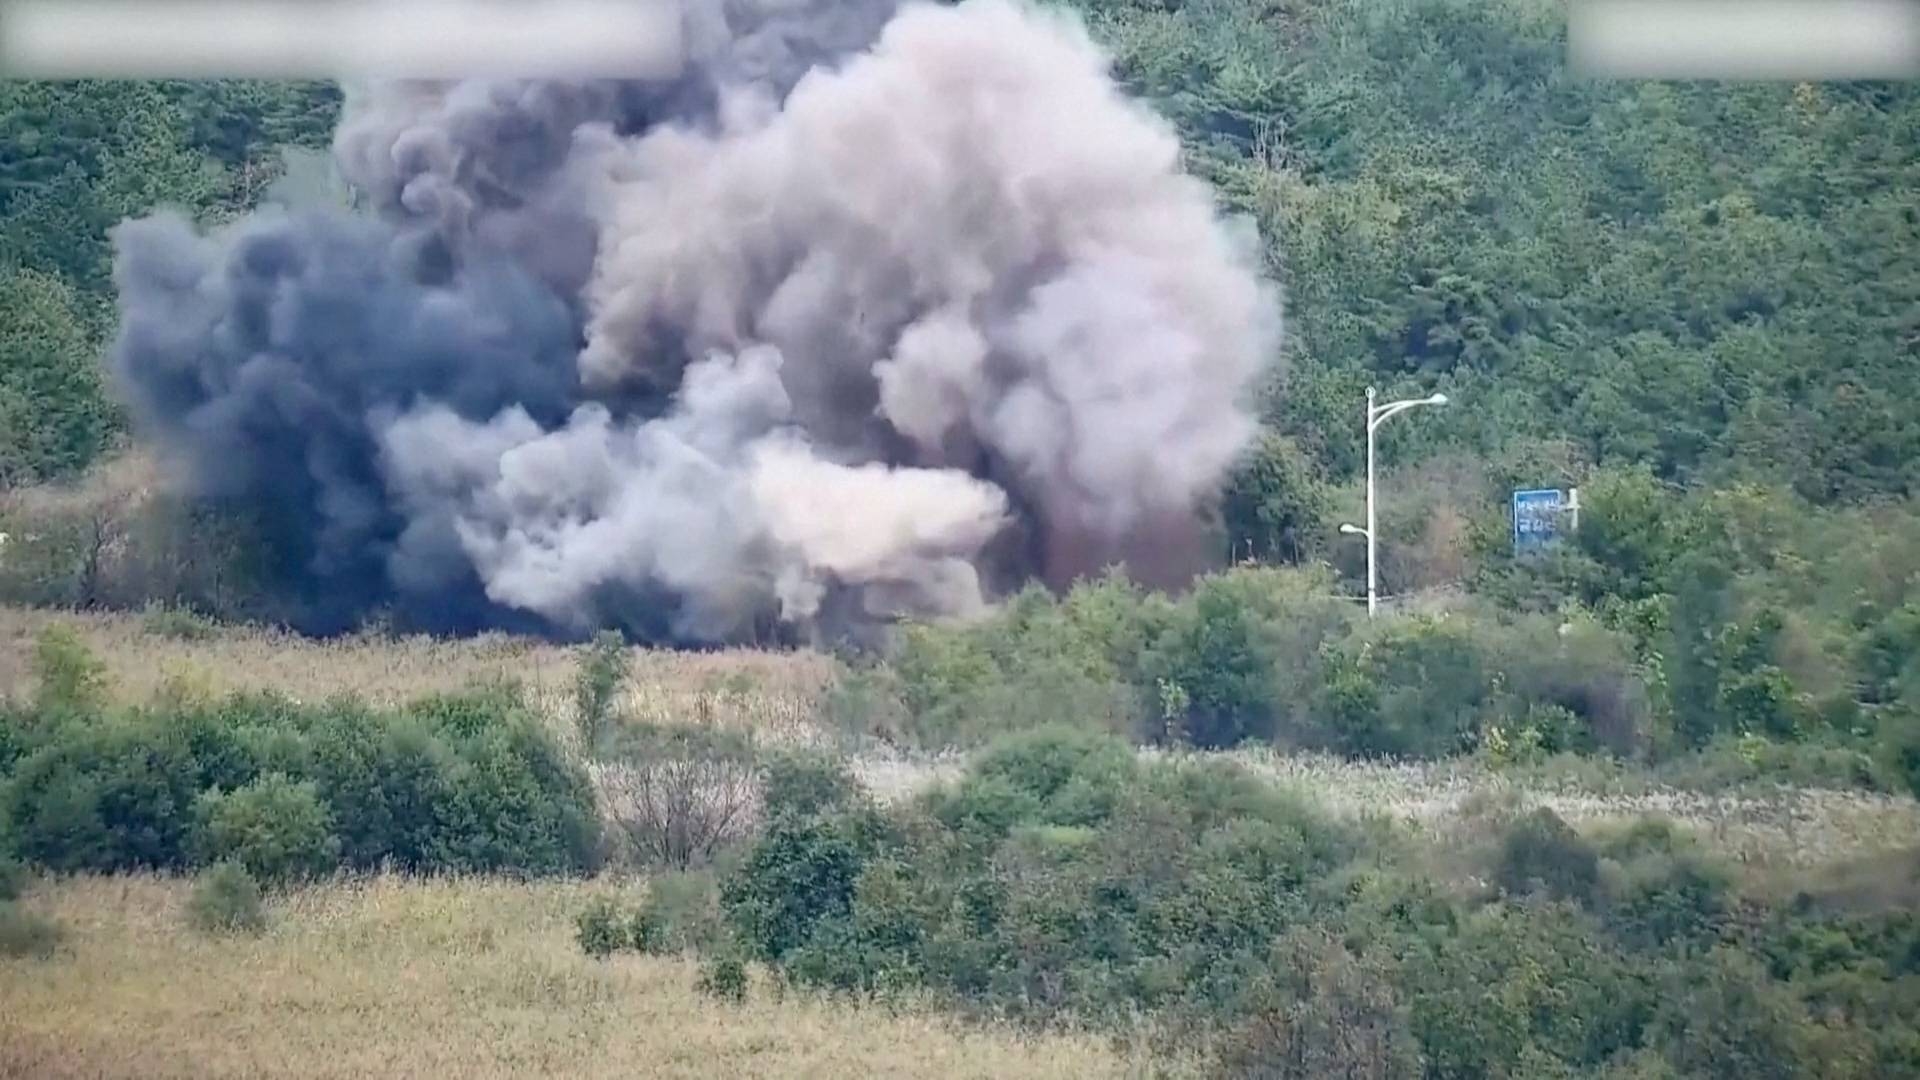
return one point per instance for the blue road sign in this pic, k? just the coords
(1536, 518)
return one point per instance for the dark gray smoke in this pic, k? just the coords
(850, 311)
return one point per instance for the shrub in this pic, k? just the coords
(799, 874)
(681, 912)
(1417, 687)
(1660, 889)
(1320, 1011)
(515, 802)
(71, 679)
(26, 935)
(1540, 851)
(278, 829)
(178, 623)
(603, 929)
(460, 782)
(680, 793)
(603, 672)
(110, 796)
(808, 784)
(723, 976)
(225, 900)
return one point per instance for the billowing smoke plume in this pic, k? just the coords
(851, 311)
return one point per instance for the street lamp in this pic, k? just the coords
(1377, 415)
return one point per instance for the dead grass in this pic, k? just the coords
(771, 692)
(404, 978)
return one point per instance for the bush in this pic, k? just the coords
(71, 680)
(1320, 1011)
(515, 802)
(177, 623)
(1417, 687)
(723, 976)
(26, 935)
(1540, 851)
(808, 785)
(226, 900)
(681, 912)
(603, 672)
(278, 829)
(467, 782)
(679, 794)
(603, 929)
(111, 796)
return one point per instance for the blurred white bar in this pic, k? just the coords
(1745, 39)
(429, 39)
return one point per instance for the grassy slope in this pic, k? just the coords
(385, 977)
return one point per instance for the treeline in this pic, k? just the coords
(1716, 635)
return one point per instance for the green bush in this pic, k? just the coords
(24, 934)
(226, 900)
(1416, 688)
(1540, 851)
(469, 782)
(280, 830)
(800, 784)
(71, 680)
(603, 929)
(603, 672)
(514, 801)
(681, 912)
(177, 623)
(723, 976)
(117, 795)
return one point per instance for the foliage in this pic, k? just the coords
(178, 623)
(279, 830)
(1540, 851)
(463, 782)
(226, 900)
(603, 673)
(681, 913)
(71, 680)
(602, 928)
(723, 976)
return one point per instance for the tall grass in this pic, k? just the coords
(428, 978)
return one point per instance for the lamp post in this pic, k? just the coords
(1377, 415)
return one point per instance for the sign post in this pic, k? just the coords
(1536, 517)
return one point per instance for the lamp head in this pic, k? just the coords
(1350, 528)
(1437, 399)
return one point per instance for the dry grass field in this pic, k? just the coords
(773, 692)
(393, 978)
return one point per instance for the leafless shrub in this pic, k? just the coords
(680, 794)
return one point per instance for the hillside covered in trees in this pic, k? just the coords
(1717, 282)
